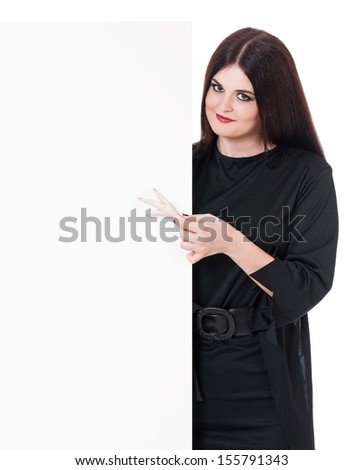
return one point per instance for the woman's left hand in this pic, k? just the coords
(205, 235)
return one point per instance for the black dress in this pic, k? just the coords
(256, 389)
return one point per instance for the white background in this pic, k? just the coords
(95, 344)
(327, 43)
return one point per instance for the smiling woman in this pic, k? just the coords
(232, 111)
(262, 240)
(258, 159)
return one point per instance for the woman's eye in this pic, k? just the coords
(217, 88)
(243, 97)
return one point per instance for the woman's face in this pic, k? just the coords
(231, 108)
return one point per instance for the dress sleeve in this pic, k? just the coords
(305, 275)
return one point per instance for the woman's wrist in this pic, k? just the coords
(246, 254)
(233, 242)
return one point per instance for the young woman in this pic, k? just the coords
(263, 244)
(262, 240)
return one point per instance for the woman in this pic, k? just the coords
(260, 171)
(262, 242)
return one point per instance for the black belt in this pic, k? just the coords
(219, 324)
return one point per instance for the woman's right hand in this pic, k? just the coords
(163, 207)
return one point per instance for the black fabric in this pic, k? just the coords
(236, 425)
(238, 410)
(285, 202)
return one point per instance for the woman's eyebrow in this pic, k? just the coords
(238, 91)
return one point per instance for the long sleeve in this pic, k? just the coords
(305, 274)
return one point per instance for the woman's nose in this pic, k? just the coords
(226, 104)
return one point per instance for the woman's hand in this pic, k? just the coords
(163, 207)
(206, 235)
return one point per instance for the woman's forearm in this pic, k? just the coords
(247, 255)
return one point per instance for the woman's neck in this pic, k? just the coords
(239, 149)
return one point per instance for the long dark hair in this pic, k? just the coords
(284, 114)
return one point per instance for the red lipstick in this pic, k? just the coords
(223, 119)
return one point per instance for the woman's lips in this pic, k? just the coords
(223, 119)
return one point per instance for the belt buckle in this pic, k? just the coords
(215, 311)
